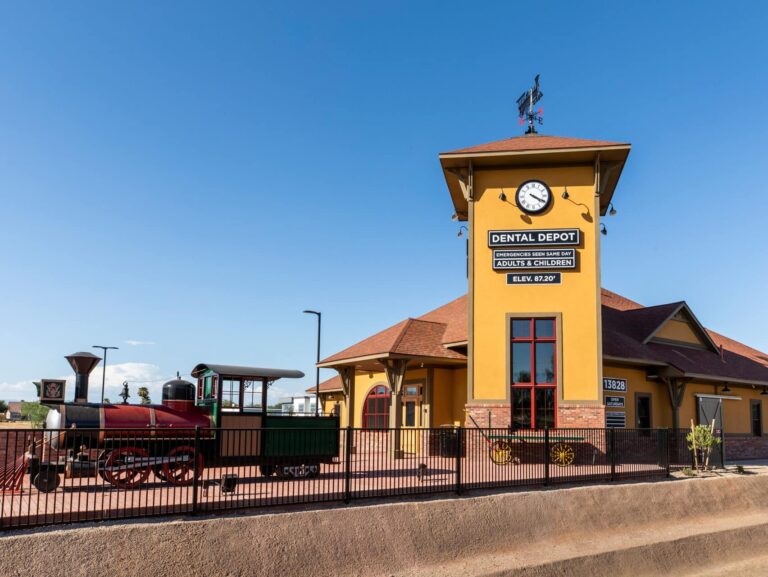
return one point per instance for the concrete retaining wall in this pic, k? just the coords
(403, 538)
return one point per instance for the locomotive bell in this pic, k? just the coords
(82, 363)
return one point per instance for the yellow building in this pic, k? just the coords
(537, 342)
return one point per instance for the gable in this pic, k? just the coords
(680, 331)
(682, 327)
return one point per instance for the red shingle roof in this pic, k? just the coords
(535, 142)
(454, 316)
(411, 337)
(618, 302)
(328, 386)
(626, 324)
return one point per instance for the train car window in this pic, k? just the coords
(252, 395)
(230, 395)
(200, 389)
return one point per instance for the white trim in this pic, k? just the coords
(730, 397)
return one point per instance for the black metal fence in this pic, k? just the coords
(64, 476)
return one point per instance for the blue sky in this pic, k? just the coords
(193, 175)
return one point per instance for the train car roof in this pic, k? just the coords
(250, 372)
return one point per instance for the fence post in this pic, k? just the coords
(348, 465)
(612, 437)
(722, 445)
(546, 456)
(195, 479)
(459, 450)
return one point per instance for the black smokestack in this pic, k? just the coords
(82, 364)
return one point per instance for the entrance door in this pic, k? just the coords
(711, 410)
(412, 399)
(643, 413)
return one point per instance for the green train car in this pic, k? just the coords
(282, 445)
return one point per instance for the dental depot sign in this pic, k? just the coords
(537, 255)
(550, 237)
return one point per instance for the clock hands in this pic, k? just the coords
(537, 198)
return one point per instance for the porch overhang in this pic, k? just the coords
(377, 363)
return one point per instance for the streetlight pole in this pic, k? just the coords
(317, 369)
(103, 367)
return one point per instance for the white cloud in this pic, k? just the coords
(137, 375)
(134, 343)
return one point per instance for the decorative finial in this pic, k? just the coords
(125, 394)
(525, 107)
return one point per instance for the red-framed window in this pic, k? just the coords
(533, 370)
(376, 408)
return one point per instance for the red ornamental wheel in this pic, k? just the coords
(127, 467)
(181, 470)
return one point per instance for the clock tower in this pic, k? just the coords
(533, 206)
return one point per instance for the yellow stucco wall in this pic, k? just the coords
(737, 417)
(681, 331)
(661, 412)
(577, 298)
(448, 396)
(459, 395)
(736, 413)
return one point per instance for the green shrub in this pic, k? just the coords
(701, 441)
(34, 412)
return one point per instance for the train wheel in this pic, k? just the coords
(181, 473)
(501, 452)
(158, 471)
(267, 470)
(122, 470)
(562, 454)
(46, 480)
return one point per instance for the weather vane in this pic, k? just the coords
(525, 105)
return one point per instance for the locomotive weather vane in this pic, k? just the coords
(525, 104)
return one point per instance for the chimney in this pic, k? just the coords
(82, 364)
(722, 356)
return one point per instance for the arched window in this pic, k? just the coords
(376, 408)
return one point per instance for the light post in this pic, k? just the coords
(317, 369)
(103, 367)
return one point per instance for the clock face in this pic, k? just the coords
(533, 197)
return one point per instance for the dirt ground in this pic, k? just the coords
(691, 527)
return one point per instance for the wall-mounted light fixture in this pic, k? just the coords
(565, 194)
(461, 232)
(502, 196)
(726, 389)
(603, 230)
(611, 209)
(454, 217)
(764, 391)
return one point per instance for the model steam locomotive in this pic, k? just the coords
(212, 424)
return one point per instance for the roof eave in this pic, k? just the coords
(729, 380)
(380, 356)
(612, 160)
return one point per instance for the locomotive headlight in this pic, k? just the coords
(53, 422)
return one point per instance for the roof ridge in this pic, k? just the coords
(557, 142)
(400, 336)
(420, 320)
(652, 307)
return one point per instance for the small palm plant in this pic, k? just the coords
(701, 441)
